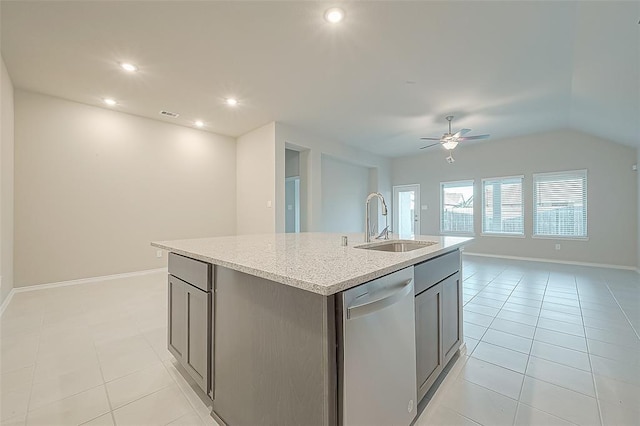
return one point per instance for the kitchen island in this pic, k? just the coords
(299, 329)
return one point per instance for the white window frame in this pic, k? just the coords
(586, 210)
(473, 222)
(503, 234)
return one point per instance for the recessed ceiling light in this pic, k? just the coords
(334, 15)
(128, 67)
(110, 102)
(231, 101)
(198, 123)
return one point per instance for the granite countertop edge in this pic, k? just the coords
(314, 286)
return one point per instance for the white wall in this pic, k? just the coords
(345, 187)
(256, 181)
(93, 187)
(612, 191)
(312, 148)
(6, 182)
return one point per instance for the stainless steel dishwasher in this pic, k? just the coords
(377, 370)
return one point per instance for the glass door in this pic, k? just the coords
(406, 210)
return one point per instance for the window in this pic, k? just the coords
(456, 207)
(502, 206)
(560, 204)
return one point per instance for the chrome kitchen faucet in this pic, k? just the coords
(367, 219)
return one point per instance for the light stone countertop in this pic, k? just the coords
(315, 262)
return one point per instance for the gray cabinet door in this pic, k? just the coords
(196, 359)
(177, 327)
(451, 330)
(429, 361)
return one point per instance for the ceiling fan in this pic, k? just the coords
(451, 140)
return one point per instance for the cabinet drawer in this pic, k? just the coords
(192, 271)
(435, 270)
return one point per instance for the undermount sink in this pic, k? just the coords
(398, 246)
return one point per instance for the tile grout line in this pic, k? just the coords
(593, 379)
(606, 283)
(35, 364)
(562, 387)
(515, 415)
(529, 356)
(526, 367)
(194, 409)
(492, 320)
(479, 340)
(111, 409)
(104, 383)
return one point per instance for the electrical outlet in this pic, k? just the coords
(158, 253)
(269, 204)
(557, 246)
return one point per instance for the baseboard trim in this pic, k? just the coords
(88, 280)
(564, 262)
(6, 301)
(81, 281)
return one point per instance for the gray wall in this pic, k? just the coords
(344, 189)
(612, 192)
(312, 149)
(6, 182)
(93, 187)
(291, 163)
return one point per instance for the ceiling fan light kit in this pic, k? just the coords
(449, 144)
(450, 140)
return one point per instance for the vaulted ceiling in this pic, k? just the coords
(385, 76)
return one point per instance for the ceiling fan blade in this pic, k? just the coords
(473, 138)
(430, 139)
(461, 132)
(429, 146)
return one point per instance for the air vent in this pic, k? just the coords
(169, 114)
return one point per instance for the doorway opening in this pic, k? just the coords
(292, 203)
(406, 213)
(292, 191)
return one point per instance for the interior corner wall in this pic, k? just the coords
(6, 183)
(638, 207)
(312, 148)
(256, 158)
(612, 192)
(94, 186)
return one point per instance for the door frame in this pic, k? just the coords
(400, 188)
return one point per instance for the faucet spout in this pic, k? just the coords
(367, 220)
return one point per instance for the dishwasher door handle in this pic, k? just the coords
(368, 306)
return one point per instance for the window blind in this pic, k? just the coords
(502, 211)
(456, 207)
(560, 204)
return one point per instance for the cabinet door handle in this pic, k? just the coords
(368, 306)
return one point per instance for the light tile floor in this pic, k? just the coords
(95, 355)
(546, 345)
